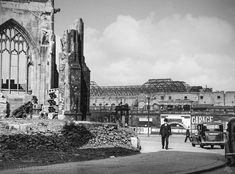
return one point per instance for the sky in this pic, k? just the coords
(128, 42)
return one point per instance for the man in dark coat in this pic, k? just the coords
(165, 132)
(187, 136)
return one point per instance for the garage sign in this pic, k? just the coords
(201, 119)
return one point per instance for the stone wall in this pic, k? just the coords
(230, 98)
(34, 19)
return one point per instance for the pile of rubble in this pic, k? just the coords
(47, 140)
(69, 138)
(111, 136)
(23, 110)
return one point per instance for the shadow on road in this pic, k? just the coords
(156, 162)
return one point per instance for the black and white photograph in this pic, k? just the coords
(117, 86)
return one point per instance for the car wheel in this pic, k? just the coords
(193, 145)
(228, 162)
(212, 146)
(201, 146)
(222, 146)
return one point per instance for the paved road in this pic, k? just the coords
(224, 170)
(176, 143)
(180, 158)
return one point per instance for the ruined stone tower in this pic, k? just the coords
(27, 58)
(26, 50)
(74, 75)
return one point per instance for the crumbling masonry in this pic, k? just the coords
(28, 63)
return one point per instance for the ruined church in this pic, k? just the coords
(29, 65)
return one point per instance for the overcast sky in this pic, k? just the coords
(128, 42)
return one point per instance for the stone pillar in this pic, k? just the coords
(70, 77)
(85, 78)
(74, 76)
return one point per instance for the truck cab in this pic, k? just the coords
(209, 134)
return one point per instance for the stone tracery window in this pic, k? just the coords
(14, 54)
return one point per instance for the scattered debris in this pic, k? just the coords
(45, 141)
(23, 111)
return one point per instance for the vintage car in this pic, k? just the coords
(230, 142)
(209, 134)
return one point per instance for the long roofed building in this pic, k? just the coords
(161, 92)
(161, 98)
(151, 86)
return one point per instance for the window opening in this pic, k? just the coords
(14, 54)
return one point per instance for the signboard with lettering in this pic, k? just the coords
(142, 130)
(201, 119)
(183, 119)
(196, 119)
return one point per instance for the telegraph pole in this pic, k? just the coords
(148, 108)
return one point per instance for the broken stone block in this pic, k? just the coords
(13, 126)
(61, 117)
(24, 127)
(135, 142)
(52, 115)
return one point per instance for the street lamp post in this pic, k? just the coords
(148, 108)
(99, 114)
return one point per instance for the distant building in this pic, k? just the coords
(181, 103)
(165, 94)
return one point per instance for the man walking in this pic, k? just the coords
(187, 136)
(165, 132)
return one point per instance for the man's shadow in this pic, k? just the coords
(167, 149)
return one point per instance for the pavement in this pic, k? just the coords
(180, 158)
(190, 159)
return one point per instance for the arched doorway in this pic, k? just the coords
(15, 59)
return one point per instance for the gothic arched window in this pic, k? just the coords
(14, 55)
